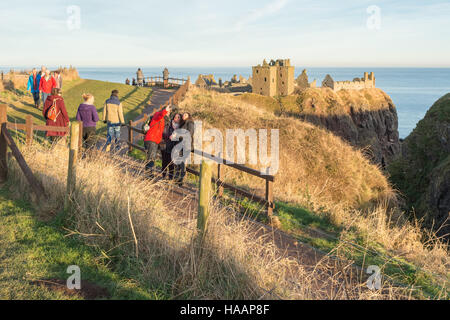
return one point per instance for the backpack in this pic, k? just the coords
(51, 113)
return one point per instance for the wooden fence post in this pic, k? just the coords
(204, 199)
(73, 157)
(130, 136)
(220, 175)
(3, 145)
(36, 185)
(29, 129)
(269, 197)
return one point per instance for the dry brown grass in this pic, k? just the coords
(234, 262)
(314, 163)
(321, 172)
(322, 101)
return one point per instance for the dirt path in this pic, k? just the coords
(159, 97)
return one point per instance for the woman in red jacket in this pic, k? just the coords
(153, 136)
(46, 86)
(62, 118)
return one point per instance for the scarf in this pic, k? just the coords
(35, 82)
(175, 125)
(113, 100)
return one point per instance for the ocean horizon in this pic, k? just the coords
(413, 90)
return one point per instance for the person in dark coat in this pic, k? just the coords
(87, 113)
(62, 118)
(187, 123)
(168, 167)
(33, 85)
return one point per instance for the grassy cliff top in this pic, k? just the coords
(424, 169)
(20, 103)
(313, 160)
(323, 174)
(322, 101)
(429, 140)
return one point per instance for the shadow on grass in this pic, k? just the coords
(53, 252)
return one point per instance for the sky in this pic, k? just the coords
(188, 33)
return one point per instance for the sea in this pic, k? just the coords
(413, 90)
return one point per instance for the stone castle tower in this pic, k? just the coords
(274, 79)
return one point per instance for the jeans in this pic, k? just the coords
(36, 98)
(44, 97)
(152, 153)
(113, 133)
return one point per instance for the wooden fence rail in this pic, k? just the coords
(267, 201)
(6, 141)
(29, 127)
(159, 81)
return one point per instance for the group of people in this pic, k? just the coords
(46, 86)
(41, 84)
(163, 135)
(140, 82)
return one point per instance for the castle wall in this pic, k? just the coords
(367, 82)
(285, 80)
(264, 80)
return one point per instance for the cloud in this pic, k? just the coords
(269, 9)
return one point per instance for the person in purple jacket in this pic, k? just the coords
(87, 113)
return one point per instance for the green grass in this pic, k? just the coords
(318, 231)
(138, 154)
(33, 250)
(425, 164)
(133, 99)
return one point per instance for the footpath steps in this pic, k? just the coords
(159, 97)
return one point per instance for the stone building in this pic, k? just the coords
(274, 79)
(368, 81)
(205, 81)
(303, 83)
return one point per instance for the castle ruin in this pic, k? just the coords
(205, 81)
(303, 83)
(274, 79)
(367, 82)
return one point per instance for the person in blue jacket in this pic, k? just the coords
(33, 86)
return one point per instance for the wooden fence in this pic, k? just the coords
(267, 201)
(6, 141)
(156, 81)
(29, 127)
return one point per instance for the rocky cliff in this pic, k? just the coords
(422, 172)
(365, 118)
